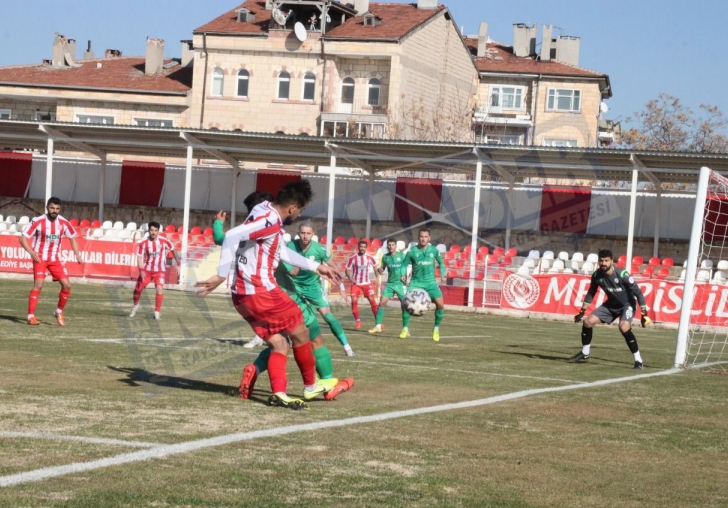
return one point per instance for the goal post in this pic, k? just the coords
(699, 340)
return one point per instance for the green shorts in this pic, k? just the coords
(309, 316)
(431, 288)
(394, 288)
(314, 296)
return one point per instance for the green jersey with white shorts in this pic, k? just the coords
(423, 269)
(308, 285)
(394, 264)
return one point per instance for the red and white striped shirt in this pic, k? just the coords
(255, 246)
(47, 235)
(359, 266)
(154, 254)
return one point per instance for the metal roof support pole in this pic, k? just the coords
(658, 207)
(49, 170)
(186, 216)
(330, 210)
(234, 198)
(369, 206)
(474, 234)
(509, 216)
(632, 215)
(102, 186)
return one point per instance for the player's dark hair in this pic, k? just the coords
(53, 201)
(424, 230)
(306, 224)
(255, 198)
(392, 240)
(362, 242)
(155, 225)
(605, 253)
(297, 193)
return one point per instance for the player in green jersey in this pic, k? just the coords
(393, 262)
(308, 285)
(422, 257)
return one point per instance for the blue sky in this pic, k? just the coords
(645, 46)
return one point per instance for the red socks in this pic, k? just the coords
(158, 302)
(355, 309)
(375, 308)
(306, 362)
(63, 298)
(277, 372)
(33, 301)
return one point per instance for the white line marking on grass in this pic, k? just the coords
(191, 446)
(82, 439)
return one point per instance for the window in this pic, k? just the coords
(243, 80)
(500, 139)
(309, 86)
(356, 130)
(5, 114)
(506, 97)
(149, 122)
(347, 91)
(564, 100)
(218, 78)
(45, 116)
(106, 120)
(568, 143)
(284, 85)
(373, 96)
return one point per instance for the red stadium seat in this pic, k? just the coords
(459, 263)
(449, 255)
(85, 223)
(668, 262)
(654, 262)
(173, 237)
(376, 243)
(511, 253)
(170, 229)
(638, 260)
(498, 251)
(322, 240)
(207, 232)
(455, 248)
(196, 230)
(493, 259)
(663, 273)
(340, 240)
(352, 241)
(74, 222)
(648, 272)
(95, 224)
(507, 261)
(483, 251)
(622, 260)
(451, 274)
(180, 230)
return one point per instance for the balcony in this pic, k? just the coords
(354, 107)
(496, 115)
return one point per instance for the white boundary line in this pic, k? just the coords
(82, 439)
(191, 446)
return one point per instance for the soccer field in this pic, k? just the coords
(120, 412)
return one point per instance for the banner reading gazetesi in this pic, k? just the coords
(103, 259)
(564, 294)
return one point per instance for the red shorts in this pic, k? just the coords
(157, 277)
(365, 290)
(269, 313)
(56, 268)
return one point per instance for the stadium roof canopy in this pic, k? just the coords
(374, 156)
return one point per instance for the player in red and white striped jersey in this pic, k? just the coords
(46, 232)
(257, 246)
(152, 262)
(357, 270)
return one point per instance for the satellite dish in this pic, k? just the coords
(300, 31)
(603, 107)
(279, 17)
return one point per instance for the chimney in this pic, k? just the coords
(155, 56)
(567, 49)
(427, 4)
(188, 53)
(88, 55)
(546, 42)
(112, 53)
(361, 7)
(524, 39)
(482, 38)
(71, 49)
(58, 58)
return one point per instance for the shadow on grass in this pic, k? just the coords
(564, 358)
(15, 319)
(136, 376)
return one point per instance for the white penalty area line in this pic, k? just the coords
(200, 444)
(82, 439)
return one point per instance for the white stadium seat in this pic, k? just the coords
(287, 237)
(578, 257)
(529, 263)
(563, 255)
(575, 265)
(593, 258)
(441, 248)
(10, 219)
(587, 268)
(544, 265)
(131, 226)
(719, 277)
(703, 275)
(3, 227)
(97, 233)
(295, 237)
(568, 270)
(549, 254)
(400, 245)
(682, 275)
(144, 227)
(314, 238)
(523, 270)
(2, 219)
(411, 244)
(558, 265)
(107, 225)
(706, 263)
(24, 220)
(534, 254)
(118, 225)
(13, 228)
(723, 265)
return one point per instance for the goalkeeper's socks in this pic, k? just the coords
(585, 349)
(638, 357)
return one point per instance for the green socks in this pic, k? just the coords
(439, 313)
(324, 366)
(261, 363)
(336, 328)
(380, 316)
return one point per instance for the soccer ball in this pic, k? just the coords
(417, 302)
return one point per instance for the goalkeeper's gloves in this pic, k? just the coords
(645, 321)
(579, 316)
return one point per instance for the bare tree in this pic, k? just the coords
(667, 125)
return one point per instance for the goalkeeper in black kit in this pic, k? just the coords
(623, 294)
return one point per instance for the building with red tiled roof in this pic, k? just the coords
(542, 99)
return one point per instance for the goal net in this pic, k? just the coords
(703, 328)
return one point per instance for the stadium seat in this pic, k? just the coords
(11, 219)
(558, 265)
(314, 238)
(668, 262)
(563, 256)
(207, 232)
(107, 224)
(131, 226)
(523, 270)
(85, 223)
(286, 237)
(352, 241)
(654, 262)
(111, 233)
(587, 268)
(97, 233)
(483, 251)
(682, 275)
(195, 230)
(442, 249)
(173, 237)
(170, 229)
(118, 225)
(575, 265)
(400, 245)
(638, 260)
(706, 264)
(451, 274)
(719, 277)
(72, 222)
(511, 253)
(295, 237)
(498, 251)
(703, 275)
(411, 244)
(455, 248)
(3, 227)
(648, 272)
(450, 256)
(144, 227)
(568, 270)
(507, 261)
(534, 254)
(594, 259)
(663, 273)
(2, 219)
(529, 263)
(180, 230)
(723, 265)
(544, 265)
(622, 260)
(578, 257)
(549, 254)
(95, 224)
(492, 259)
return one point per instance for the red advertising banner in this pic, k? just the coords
(103, 259)
(564, 294)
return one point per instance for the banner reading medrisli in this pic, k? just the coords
(564, 294)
